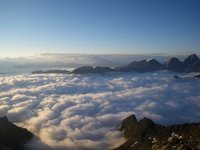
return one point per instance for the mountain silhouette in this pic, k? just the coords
(190, 64)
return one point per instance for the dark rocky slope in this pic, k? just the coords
(147, 135)
(12, 136)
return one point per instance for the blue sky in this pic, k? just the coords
(99, 26)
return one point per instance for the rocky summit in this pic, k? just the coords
(12, 136)
(147, 135)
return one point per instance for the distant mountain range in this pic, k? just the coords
(142, 66)
(147, 135)
(190, 64)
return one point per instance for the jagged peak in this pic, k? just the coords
(146, 121)
(173, 61)
(130, 118)
(192, 58)
(193, 55)
(127, 121)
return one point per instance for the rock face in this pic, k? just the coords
(51, 71)
(174, 64)
(90, 69)
(147, 135)
(12, 136)
(142, 66)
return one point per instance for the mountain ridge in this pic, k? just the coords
(190, 64)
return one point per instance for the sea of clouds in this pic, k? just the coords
(84, 111)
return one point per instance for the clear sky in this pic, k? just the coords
(99, 26)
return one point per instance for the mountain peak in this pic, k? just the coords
(192, 59)
(192, 63)
(146, 122)
(174, 64)
(173, 59)
(129, 120)
(193, 55)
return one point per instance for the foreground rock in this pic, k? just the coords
(51, 71)
(12, 136)
(147, 135)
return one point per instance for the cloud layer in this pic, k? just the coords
(84, 111)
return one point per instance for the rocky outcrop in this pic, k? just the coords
(51, 71)
(12, 136)
(147, 135)
(90, 69)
